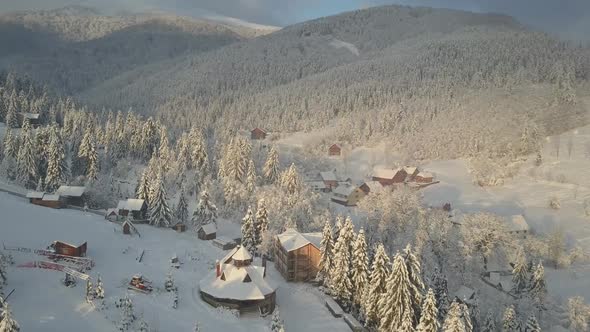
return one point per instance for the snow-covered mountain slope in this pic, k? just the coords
(41, 303)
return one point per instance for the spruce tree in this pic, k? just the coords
(12, 112)
(248, 232)
(160, 214)
(271, 166)
(89, 291)
(532, 325)
(340, 282)
(538, 289)
(56, 163)
(360, 268)
(27, 158)
(454, 321)
(261, 220)
(439, 282)
(251, 177)
(276, 324)
(290, 180)
(429, 318)
(326, 253)
(377, 285)
(206, 211)
(182, 208)
(7, 322)
(490, 323)
(143, 187)
(10, 144)
(466, 316)
(198, 157)
(415, 275)
(509, 320)
(520, 276)
(99, 288)
(395, 305)
(93, 161)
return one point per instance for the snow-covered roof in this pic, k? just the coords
(517, 223)
(374, 186)
(291, 239)
(238, 253)
(51, 198)
(131, 204)
(31, 116)
(35, 194)
(425, 175)
(464, 293)
(336, 145)
(385, 173)
(209, 228)
(111, 211)
(237, 285)
(410, 169)
(328, 176)
(317, 184)
(258, 129)
(344, 190)
(71, 191)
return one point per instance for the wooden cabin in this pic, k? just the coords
(34, 119)
(297, 255)
(72, 195)
(411, 172)
(179, 227)
(257, 133)
(47, 200)
(207, 232)
(224, 243)
(518, 226)
(135, 208)
(35, 197)
(329, 179)
(388, 177)
(334, 150)
(347, 195)
(371, 187)
(112, 215)
(63, 248)
(424, 177)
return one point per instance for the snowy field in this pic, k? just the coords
(42, 303)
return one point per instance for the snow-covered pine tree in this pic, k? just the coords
(338, 227)
(182, 208)
(538, 289)
(199, 158)
(490, 323)
(466, 316)
(7, 322)
(84, 149)
(251, 177)
(395, 305)
(454, 321)
(9, 144)
(509, 320)
(89, 291)
(169, 283)
(261, 221)
(57, 168)
(276, 324)
(326, 254)
(160, 214)
(341, 285)
(359, 268)
(290, 180)
(415, 275)
(377, 285)
(27, 159)
(93, 162)
(429, 318)
(532, 325)
(206, 211)
(248, 232)
(142, 191)
(439, 283)
(127, 315)
(520, 275)
(99, 291)
(12, 113)
(271, 166)
(164, 149)
(578, 313)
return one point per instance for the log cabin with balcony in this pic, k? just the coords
(297, 255)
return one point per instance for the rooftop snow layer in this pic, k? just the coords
(234, 287)
(35, 194)
(51, 198)
(328, 176)
(209, 228)
(383, 173)
(70, 191)
(344, 190)
(293, 240)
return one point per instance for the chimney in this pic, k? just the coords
(217, 269)
(264, 265)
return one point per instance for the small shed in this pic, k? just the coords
(112, 215)
(334, 150)
(180, 227)
(224, 243)
(329, 179)
(129, 227)
(348, 195)
(66, 249)
(72, 195)
(424, 177)
(517, 225)
(35, 196)
(207, 232)
(257, 133)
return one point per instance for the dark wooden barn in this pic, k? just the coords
(257, 133)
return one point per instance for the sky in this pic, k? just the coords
(568, 17)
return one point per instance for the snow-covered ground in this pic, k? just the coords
(42, 303)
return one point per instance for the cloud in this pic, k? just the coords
(567, 17)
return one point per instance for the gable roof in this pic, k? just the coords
(385, 173)
(70, 191)
(344, 190)
(131, 225)
(209, 228)
(335, 145)
(131, 204)
(238, 253)
(464, 293)
(517, 223)
(258, 129)
(328, 176)
(112, 211)
(50, 198)
(374, 186)
(239, 283)
(291, 239)
(410, 169)
(425, 174)
(35, 194)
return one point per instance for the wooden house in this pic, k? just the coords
(371, 187)
(126, 227)
(329, 179)
(411, 172)
(257, 133)
(207, 232)
(72, 195)
(347, 195)
(34, 119)
(518, 226)
(465, 295)
(180, 227)
(388, 177)
(112, 215)
(35, 197)
(66, 249)
(297, 255)
(135, 208)
(424, 177)
(47, 200)
(334, 150)
(318, 186)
